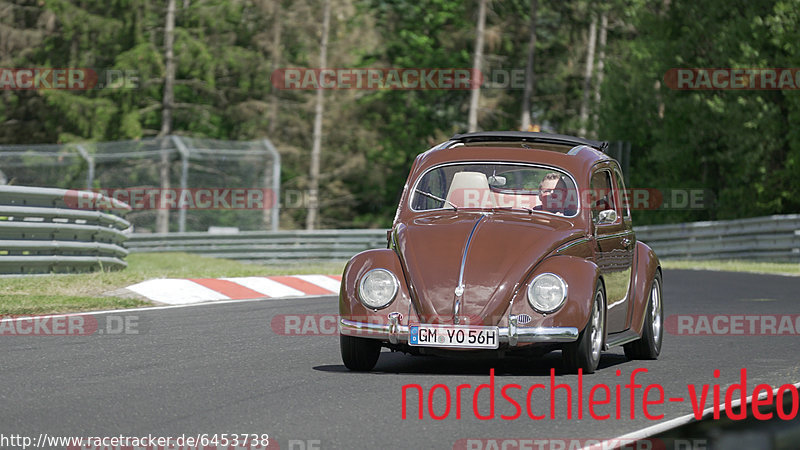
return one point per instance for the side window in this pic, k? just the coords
(602, 197)
(623, 195)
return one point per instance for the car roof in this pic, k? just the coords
(574, 154)
(527, 136)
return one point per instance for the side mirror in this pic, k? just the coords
(607, 216)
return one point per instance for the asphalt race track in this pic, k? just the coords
(222, 369)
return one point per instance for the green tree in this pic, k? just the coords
(737, 144)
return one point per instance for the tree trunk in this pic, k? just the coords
(313, 181)
(277, 31)
(601, 62)
(272, 114)
(476, 67)
(587, 76)
(162, 214)
(529, 75)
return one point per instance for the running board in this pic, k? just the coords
(623, 337)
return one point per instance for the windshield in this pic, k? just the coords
(496, 186)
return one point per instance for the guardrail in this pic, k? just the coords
(773, 238)
(770, 238)
(264, 246)
(43, 231)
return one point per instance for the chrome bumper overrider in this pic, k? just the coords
(396, 333)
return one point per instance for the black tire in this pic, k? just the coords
(581, 354)
(359, 354)
(649, 345)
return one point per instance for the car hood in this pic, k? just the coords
(501, 248)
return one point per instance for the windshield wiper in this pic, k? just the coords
(511, 208)
(429, 195)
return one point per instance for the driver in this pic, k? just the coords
(553, 195)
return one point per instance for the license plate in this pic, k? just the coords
(453, 336)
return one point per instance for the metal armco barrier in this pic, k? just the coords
(773, 238)
(44, 230)
(266, 246)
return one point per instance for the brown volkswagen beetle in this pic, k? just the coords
(507, 241)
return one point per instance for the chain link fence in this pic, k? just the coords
(194, 182)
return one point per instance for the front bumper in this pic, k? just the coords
(512, 335)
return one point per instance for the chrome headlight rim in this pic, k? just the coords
(395, 282)
(539, 308)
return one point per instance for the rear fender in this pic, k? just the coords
(647, 264)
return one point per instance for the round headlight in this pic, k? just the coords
(547, 292)
(377, 288)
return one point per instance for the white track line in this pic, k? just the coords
(176, 291)
(660, 427)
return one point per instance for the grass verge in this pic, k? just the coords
(45, 294)
(735, 266)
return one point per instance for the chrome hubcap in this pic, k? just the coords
(597, 326)
(655, 298)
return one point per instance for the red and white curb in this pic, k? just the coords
(180, 291)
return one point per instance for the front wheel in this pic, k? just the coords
(359, 354)
(649, 345)
(585, 352)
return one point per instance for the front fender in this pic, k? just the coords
(647, 264)
(350, 307)
(581, 276)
